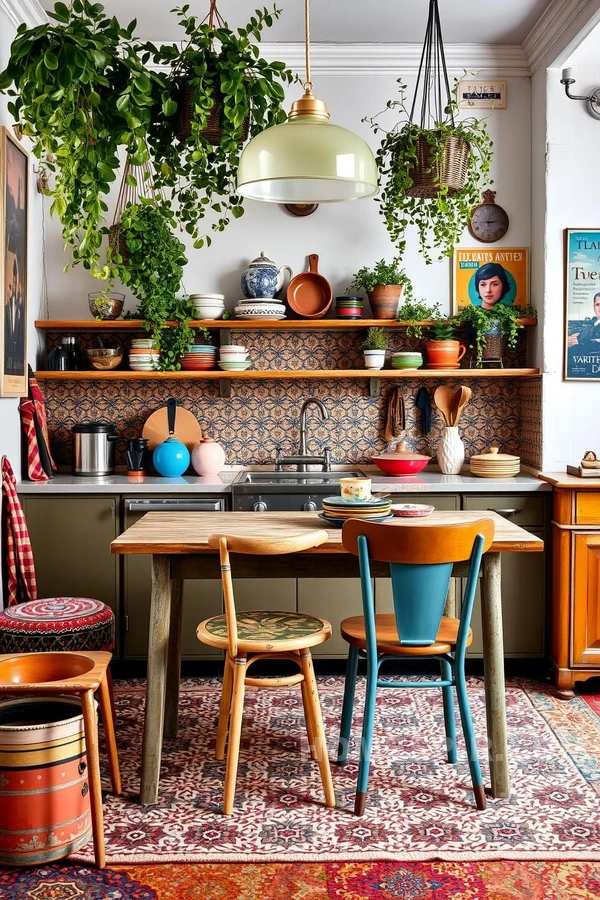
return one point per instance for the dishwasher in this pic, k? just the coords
(201, 598)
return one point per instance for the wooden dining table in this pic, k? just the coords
(178, 545)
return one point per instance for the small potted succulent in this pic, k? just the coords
(443, 351)
(374, 347)
(384, 284)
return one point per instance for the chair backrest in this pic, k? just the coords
(421, 559)
(260, 546)
(18, 570)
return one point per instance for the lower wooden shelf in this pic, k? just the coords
(270, 374)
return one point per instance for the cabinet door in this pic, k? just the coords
(334, 599)
(70, 538)
(586, 599)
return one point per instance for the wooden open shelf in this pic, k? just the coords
(236, 324)
(270, 374)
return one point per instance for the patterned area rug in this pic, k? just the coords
(377, 880)
(418, 808)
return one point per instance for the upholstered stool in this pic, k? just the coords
(57, 624)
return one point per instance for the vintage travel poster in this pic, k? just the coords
(485, 276)
(13, 266)
(582, 304)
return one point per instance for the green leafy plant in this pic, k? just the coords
(382, 273)
(443, 330)
(80, 92)
(375, 339)
(218, 70)
(413, 311)
(440, 219)
(480, 321)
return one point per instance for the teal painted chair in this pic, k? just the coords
(421, 559)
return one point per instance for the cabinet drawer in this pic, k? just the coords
(587, 508)
(525, 510)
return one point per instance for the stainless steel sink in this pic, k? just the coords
(291, 478)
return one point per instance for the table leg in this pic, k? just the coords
(174, 664)
(158, 645)
(493, 657)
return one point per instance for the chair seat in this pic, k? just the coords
(260, 630)
(57, 623)
(353, 631)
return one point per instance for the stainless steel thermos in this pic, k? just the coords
(93, 447)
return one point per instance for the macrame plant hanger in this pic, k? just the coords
(431, 172)
(131, 191)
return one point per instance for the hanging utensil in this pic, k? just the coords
(442, 397)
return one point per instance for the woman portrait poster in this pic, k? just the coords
(488, 277)
(582, 301)
(13, 257)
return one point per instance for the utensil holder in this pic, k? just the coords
(451, 451)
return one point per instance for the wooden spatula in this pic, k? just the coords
(442, 397)
(459, 401)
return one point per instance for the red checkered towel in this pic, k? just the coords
(32, 410)
(19, 571)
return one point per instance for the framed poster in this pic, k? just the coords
(484, 277)
(14, 177)
(582, 304)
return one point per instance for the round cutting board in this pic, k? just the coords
(187, 428)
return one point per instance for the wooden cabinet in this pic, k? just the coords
(575, 619)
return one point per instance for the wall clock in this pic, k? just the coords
(488, 222)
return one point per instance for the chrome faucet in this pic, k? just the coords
(303, 459)
(312, 401)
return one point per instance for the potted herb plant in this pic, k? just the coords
(491, 331)
(384, 284)
(443, 351)
(374, 347)
(414, 311)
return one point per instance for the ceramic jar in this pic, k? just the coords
(451, 451)
(262, 278)
(208, 457)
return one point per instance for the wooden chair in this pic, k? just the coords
(421, 559)
(250, 636)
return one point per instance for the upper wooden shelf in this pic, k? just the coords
(281, 374)
(239, 324)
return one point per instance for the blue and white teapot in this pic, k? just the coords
(263, 279)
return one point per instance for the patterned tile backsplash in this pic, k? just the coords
(261, 415)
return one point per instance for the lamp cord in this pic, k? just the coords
(308, 83)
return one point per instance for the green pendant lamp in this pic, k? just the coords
(306, 159)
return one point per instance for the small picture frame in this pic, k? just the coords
(486, 276)
(582, 304)
(14, 194)
(476, 94)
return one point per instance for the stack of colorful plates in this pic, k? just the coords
(199, 358)
(407, 359)
(142, 356)
(349, 307)
(337, 511)
(234, 358)
(495, 465)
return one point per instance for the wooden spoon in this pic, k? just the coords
(442, 397)
(460, 400)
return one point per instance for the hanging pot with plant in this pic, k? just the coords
(384, 285)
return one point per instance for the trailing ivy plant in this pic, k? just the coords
(413, 311)
(479, 322)
(151, 266)
(80, 92)
(219, 68)
(381, 273)
(441, 219)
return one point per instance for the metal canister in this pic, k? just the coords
(93, 445)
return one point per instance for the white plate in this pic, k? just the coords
(411, 510)
(269, 318)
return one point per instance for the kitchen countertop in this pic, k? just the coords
(425, 482)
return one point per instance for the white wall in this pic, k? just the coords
(9, 416)
(345, 235)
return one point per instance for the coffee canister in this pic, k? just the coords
(93, 446)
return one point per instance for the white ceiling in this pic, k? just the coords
(349, 21)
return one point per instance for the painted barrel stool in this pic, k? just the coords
(44, 795)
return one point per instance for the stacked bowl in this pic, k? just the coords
(407, 359)
(142, 356)
(269, 309)
(336, 510)
(209, 306)
(199, 358)
(495, 465)
(234, 358)
(349, 307)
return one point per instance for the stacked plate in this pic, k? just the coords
(337, 511)
(209, 306)
(234, 358)
(199, 358)
(142, 356)
(407, 359)
(349, 307)
(269, 309)
(495, 465)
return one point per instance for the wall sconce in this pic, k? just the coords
(592, 102)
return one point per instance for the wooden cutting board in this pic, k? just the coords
(187, 428)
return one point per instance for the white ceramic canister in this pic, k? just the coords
(208, 457)
(451, 451)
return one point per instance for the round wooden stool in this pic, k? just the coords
(80, 674)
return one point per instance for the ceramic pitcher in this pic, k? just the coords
(262, 279)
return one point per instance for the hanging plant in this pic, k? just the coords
(80, 92)
(220, 91)
(501, 319)
(431, 173)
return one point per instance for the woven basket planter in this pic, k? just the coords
(214, 127)
(428, 176)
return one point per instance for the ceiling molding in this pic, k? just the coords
(548, 29)
(29, 12)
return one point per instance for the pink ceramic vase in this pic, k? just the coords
(208, 457)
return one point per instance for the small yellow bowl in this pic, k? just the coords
(105, 359)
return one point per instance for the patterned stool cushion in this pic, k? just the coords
(57, 623)
(263, 625)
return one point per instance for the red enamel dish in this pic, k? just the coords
(394, 465)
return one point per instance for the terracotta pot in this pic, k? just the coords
(384, 300)
(444, 354)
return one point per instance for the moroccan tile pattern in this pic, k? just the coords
(377, 880)
(419, 807)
